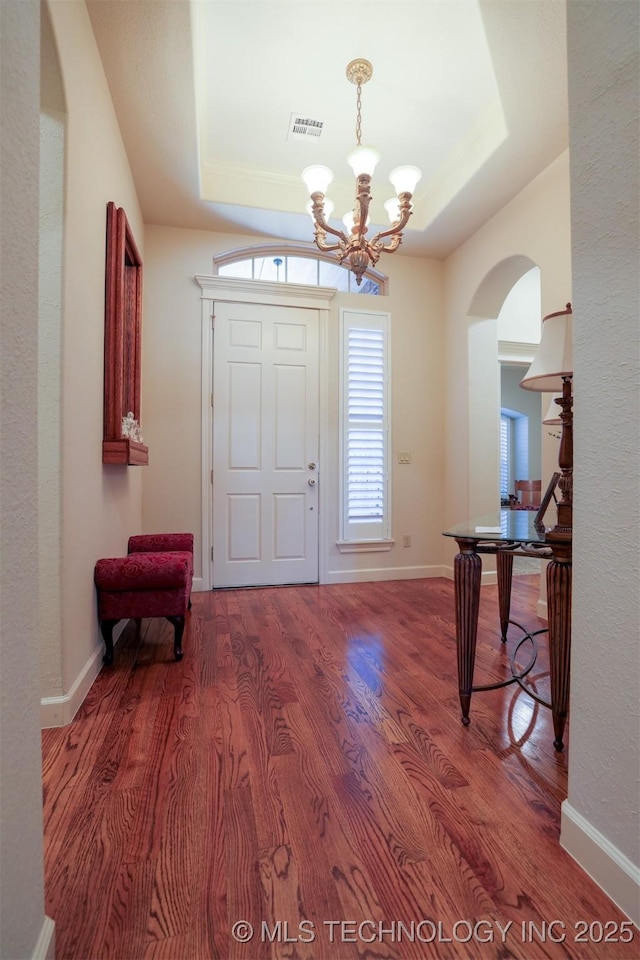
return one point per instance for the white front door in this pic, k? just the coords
(265, 445)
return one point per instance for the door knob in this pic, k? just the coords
(311, 481)
(311, 465)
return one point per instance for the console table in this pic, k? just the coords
(507, 534)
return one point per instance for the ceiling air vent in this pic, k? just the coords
(303, 128)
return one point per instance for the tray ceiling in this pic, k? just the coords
(474, 93)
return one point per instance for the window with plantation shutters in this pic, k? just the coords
(365, 426)
(505, 456)
(514, 450)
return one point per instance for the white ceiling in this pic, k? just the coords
(471, 91)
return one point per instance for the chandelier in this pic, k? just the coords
(353, 246)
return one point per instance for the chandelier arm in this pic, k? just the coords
(395, 228)
(393, 231)
(336, 233)
(326, 247)
(319, 220)
(390, 247)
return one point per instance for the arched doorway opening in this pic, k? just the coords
(485, 349)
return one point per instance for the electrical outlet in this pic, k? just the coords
(404, 456)
(406, 540)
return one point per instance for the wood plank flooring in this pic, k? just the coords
(303, 775)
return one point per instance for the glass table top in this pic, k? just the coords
(508, 525)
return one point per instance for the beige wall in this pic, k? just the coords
(171, 378)
(101, 506)
(23, 928)
(603, 805)
(533, 229)
(520, 319)
(172, 399)
(49, 386)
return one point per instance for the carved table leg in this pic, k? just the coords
(466, 568)
(559, 613)
(505, 574)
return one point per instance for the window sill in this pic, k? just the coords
(364, 546)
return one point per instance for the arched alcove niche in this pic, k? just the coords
(483, 381)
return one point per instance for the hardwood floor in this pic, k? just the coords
(304, 770)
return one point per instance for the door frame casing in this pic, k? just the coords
(225, 289)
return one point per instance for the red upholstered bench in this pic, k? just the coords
(153, 580)
(154, 542)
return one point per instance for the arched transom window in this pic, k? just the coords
(289, 263)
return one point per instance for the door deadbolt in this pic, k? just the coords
(311, 465)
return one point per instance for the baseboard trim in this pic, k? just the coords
(487, 577)
(45, 948)
(611, 869)
(197, 585)
(59, 711)
(385, 573)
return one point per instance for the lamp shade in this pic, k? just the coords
(552, 415)
(553, 361)
(317, 178)
(404, 179)
(363, 160)
(393, 209)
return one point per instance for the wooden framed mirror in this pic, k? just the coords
(122, 341)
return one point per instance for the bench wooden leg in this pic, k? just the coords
(106, 626)
(178, 625)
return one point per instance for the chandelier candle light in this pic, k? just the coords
(354, 247)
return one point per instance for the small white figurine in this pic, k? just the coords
(128, 424)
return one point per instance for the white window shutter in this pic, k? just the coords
(505, 456)
(365, 426)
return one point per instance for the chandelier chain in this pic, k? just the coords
(359, 114)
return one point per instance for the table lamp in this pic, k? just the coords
(552, 372)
